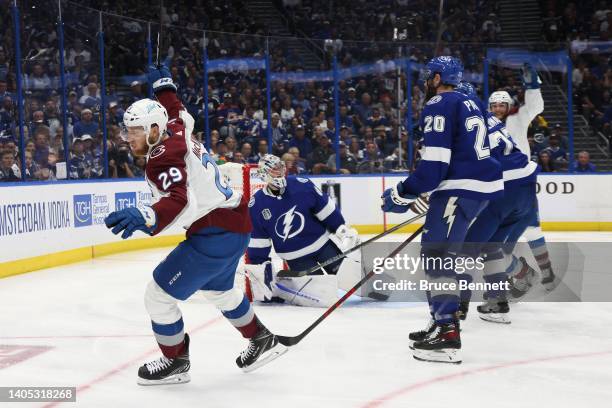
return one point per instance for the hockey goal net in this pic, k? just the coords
(242, 177)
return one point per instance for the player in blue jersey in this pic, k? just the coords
(517, 120)
(458, 168)
(305, 228)
(503, 220)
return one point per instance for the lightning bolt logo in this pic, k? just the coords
(288, 220)
(449, 213)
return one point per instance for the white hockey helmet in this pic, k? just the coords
(272, 171)
(145, 113)
(501, 97)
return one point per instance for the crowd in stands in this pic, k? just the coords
(302, 113)
(587, 26)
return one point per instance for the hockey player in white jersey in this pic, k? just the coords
(305, 228)
(188, 191)
(517, 120)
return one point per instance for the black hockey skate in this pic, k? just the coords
(263, 348)
(464, 308)
(166, 370)
(442, 345)
(522, 282)
(421, 334)
(548, 279)
(495, 310)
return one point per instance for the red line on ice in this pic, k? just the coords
(377, 402)
(83, 387)
(93, 336)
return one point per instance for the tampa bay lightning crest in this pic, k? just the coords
(289, 224)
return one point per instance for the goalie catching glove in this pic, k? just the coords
(396, 200)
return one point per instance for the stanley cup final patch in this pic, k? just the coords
(266, 214)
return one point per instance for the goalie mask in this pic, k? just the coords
(272, 171)
(144, 114)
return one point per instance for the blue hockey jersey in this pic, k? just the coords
(516, 166)
(457, 159)
(297, 223)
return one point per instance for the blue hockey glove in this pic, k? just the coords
(395, 200)
(530, 77)
(160, 78)
(131, 219)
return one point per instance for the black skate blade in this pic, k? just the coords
(267, 357)
(180, 378)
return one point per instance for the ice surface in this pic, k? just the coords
(91, 320)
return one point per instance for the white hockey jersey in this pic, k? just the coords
(518, 123)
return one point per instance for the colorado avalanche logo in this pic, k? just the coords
(158, 151)
(289, 224)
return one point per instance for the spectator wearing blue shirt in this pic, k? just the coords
(4, 88)
(554, 149)
(115, 113)
(86, 125)
(345, 134)
(301, 100)
(41, 143)
(80, 164)
(376, 119)
(364, 109)
(91, 97)
(279, 134)
(351, 99)
(345, 119)
(300, 141)
(6, 115)
(583, 164)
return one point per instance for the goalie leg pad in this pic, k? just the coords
(311, 290)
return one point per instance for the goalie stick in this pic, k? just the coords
(287, 273)
(292, 341)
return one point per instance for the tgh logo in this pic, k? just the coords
(82, 210)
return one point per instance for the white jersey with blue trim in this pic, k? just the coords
(457, 160)
(516, 167)
(296, 223)
(518, 123)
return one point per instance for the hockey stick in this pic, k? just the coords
(161, 22)
(287, 273)
(292, 341)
